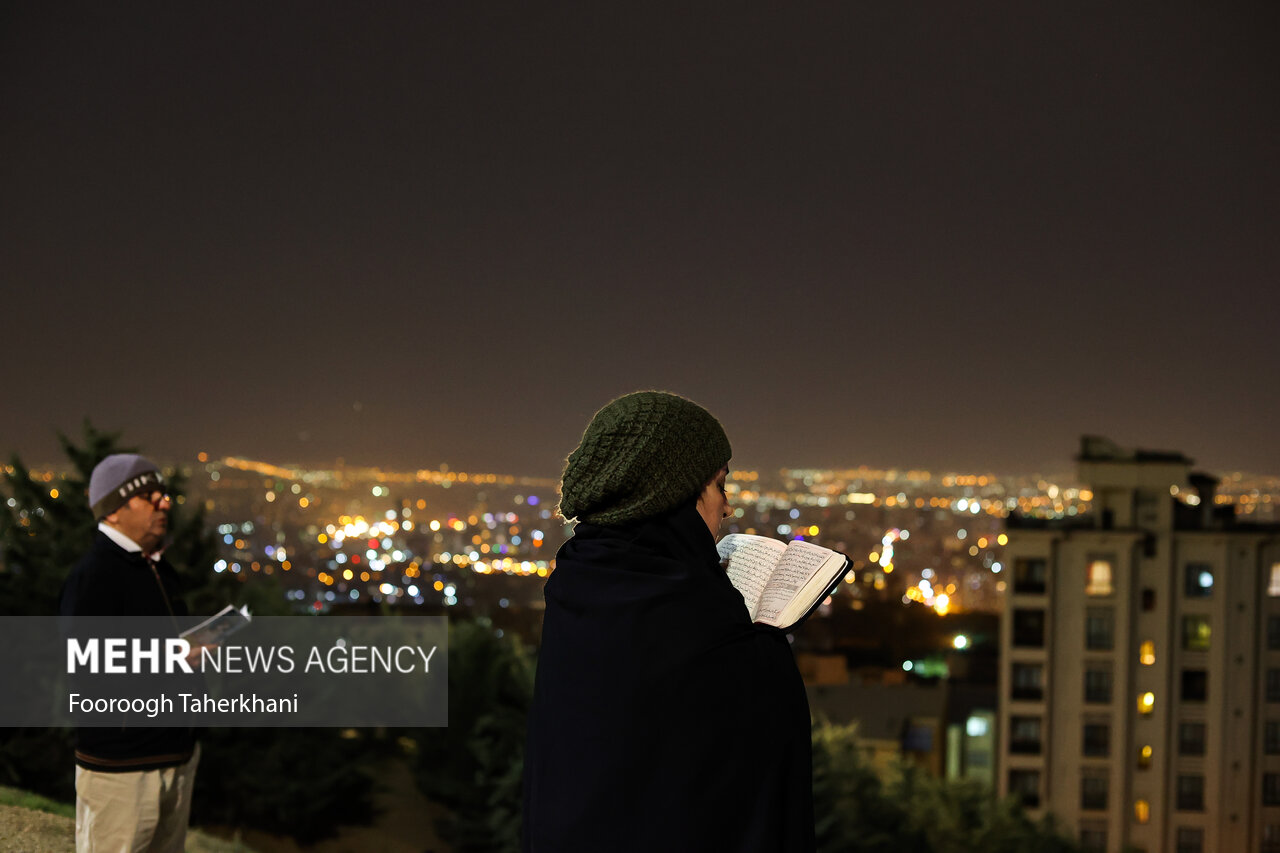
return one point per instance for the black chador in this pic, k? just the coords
(663, 719)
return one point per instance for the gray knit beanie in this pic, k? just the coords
(119, 477)
(642, 455)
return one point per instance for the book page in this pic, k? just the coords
(800, 563)
(817, 587)
(750, 562)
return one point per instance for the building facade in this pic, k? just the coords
(1139, 697)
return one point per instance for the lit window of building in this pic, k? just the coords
(1199, 580)
(1141, 811)
(1098, 578)
(1195, 633)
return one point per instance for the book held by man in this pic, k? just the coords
(218, 627)
(781, 582)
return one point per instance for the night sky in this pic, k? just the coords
(948, 235)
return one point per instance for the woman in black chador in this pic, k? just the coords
(663, 719)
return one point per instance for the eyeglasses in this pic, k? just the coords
(156, 499)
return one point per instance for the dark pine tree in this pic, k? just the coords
(474, 766)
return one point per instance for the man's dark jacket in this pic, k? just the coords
(110, 581)
(663, 719)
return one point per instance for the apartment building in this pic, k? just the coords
(1139, 696)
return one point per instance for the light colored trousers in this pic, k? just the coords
(139, 812)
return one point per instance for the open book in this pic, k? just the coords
(781, 582)
(217, 628)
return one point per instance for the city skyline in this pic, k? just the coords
(289, 467)
(949, 238)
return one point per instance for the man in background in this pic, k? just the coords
(133, 783)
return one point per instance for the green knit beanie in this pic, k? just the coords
(642, 455)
